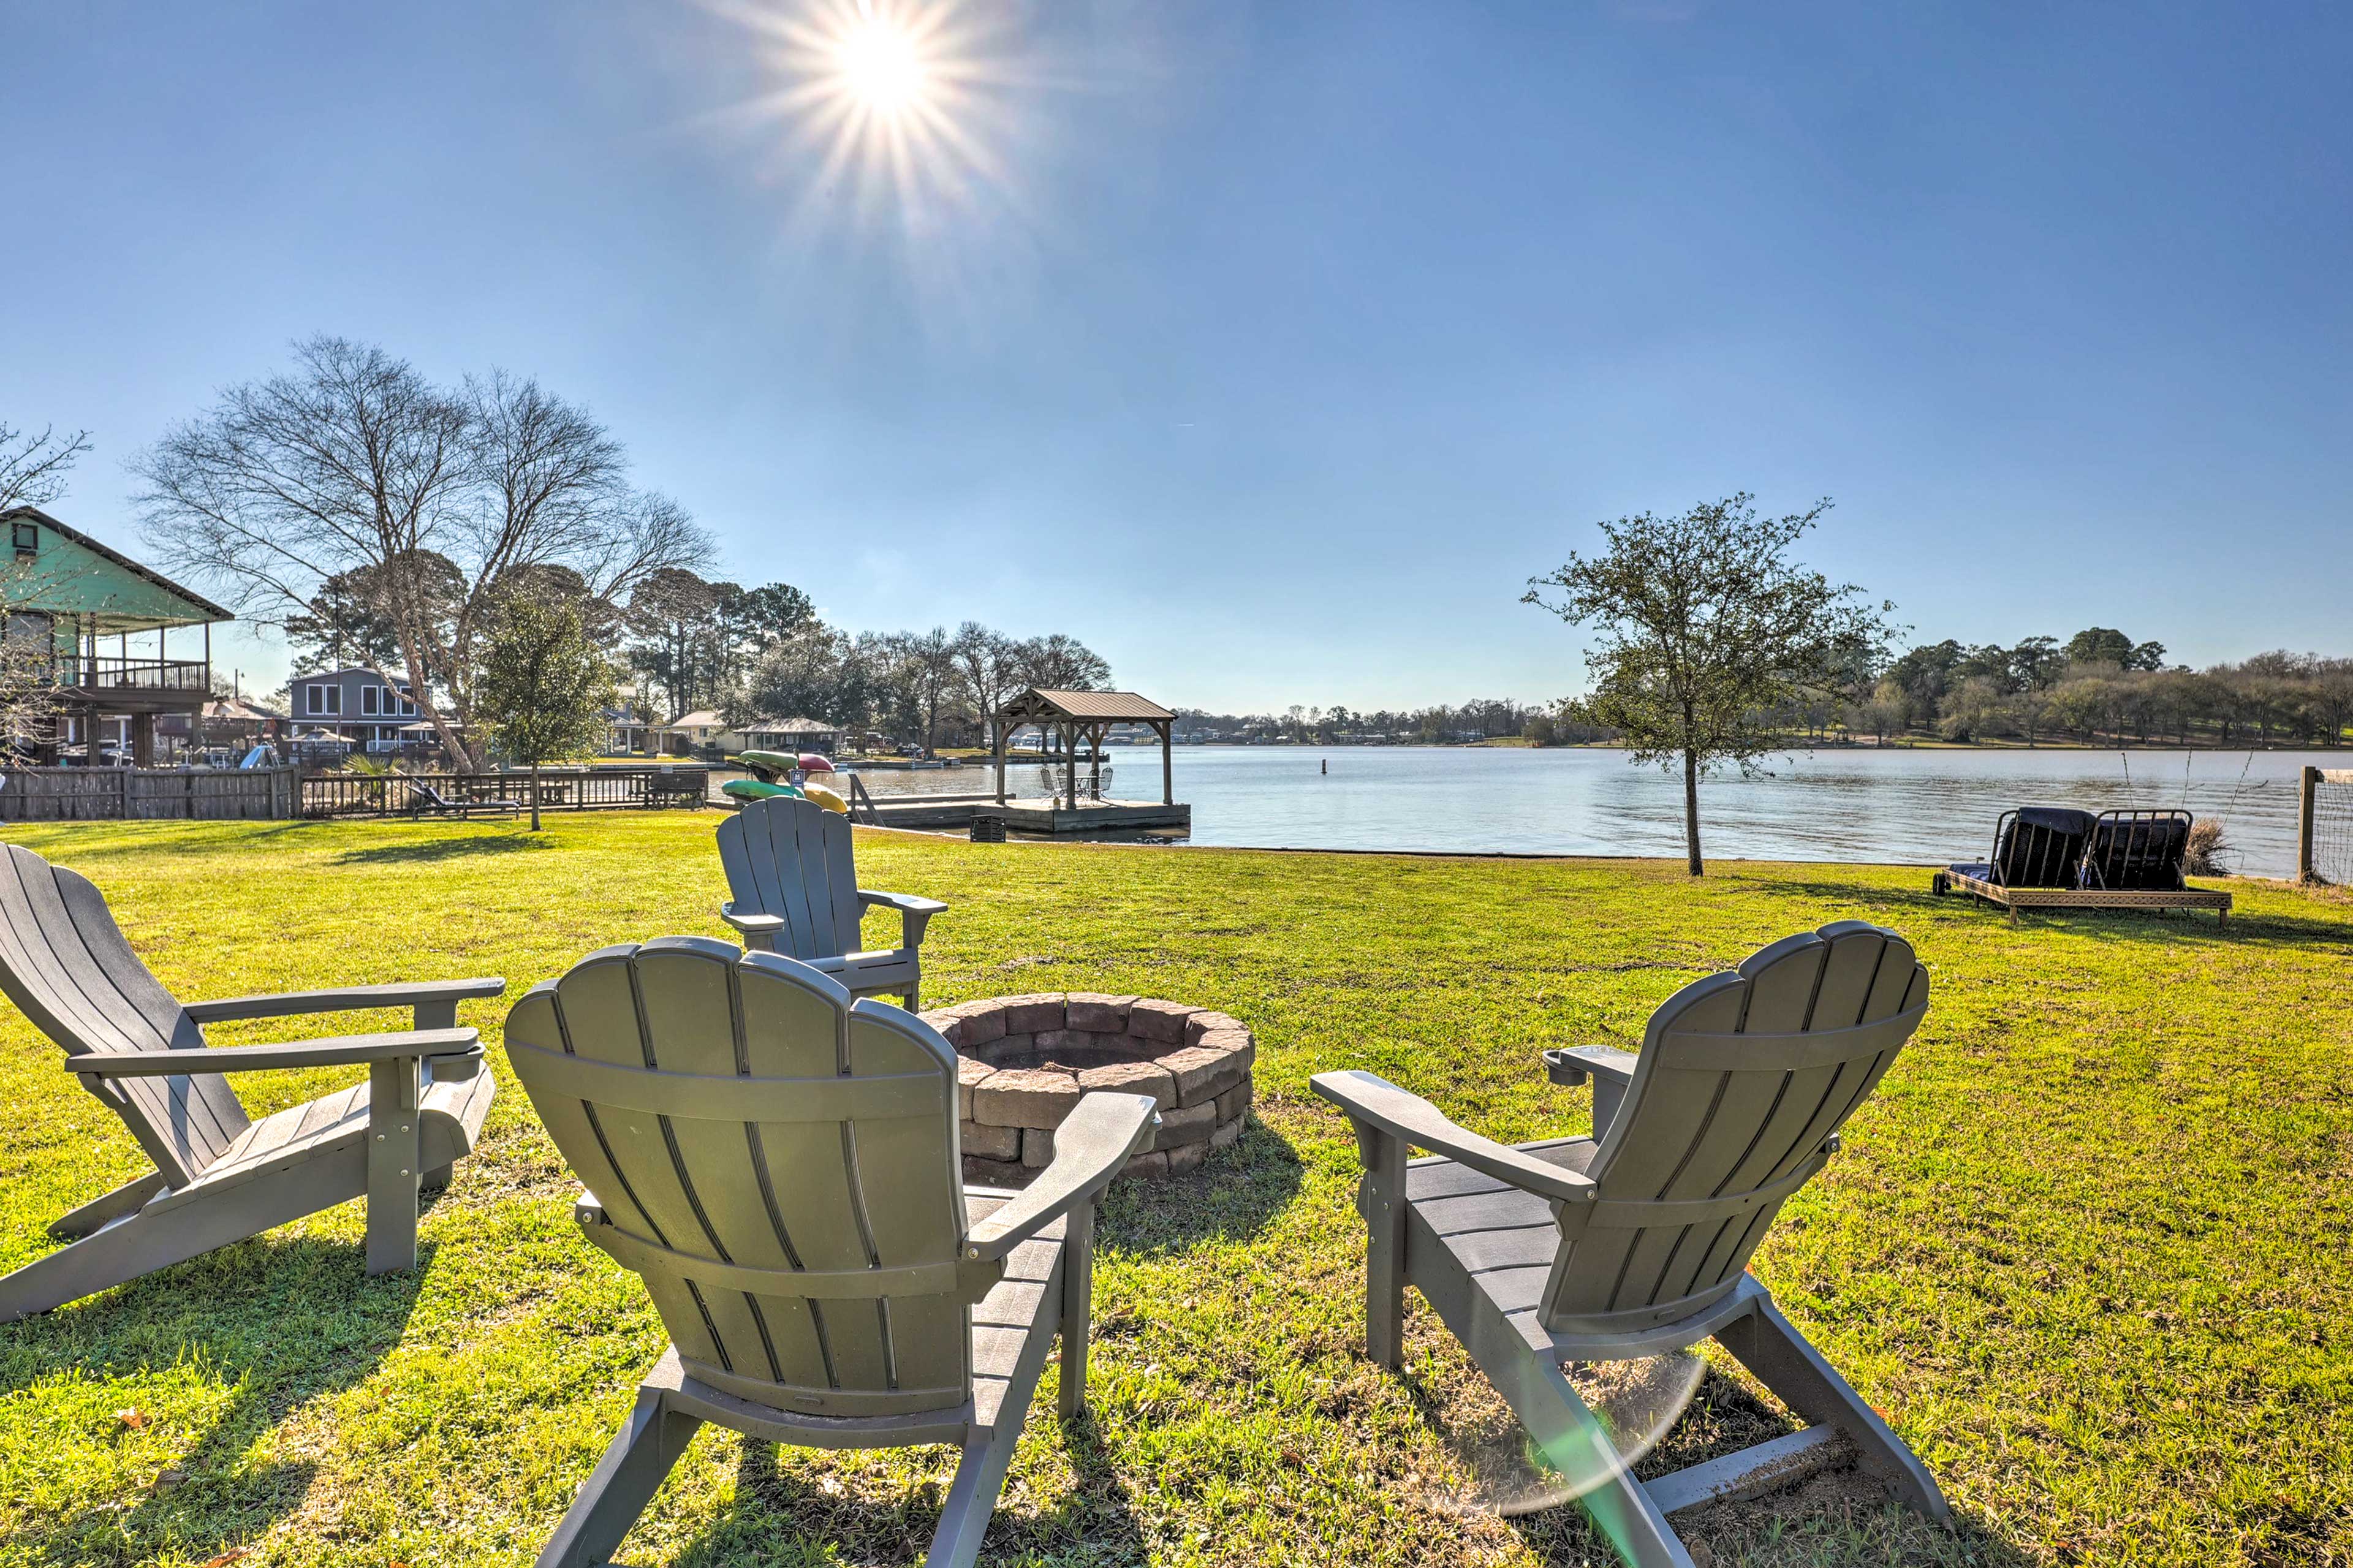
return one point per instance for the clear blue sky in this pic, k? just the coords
(1275, 346)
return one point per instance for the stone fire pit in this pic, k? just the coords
(1025, 1061)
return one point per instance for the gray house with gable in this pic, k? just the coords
(356, 704)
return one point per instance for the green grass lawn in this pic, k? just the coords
(2087, 1246)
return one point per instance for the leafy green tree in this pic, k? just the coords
(1974, 708)
(1706, 627)
(543, 685)
(2035, 663)
(2105, 645)
(755, 617)
(2099, 645)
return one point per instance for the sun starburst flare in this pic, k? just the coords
(892, 110)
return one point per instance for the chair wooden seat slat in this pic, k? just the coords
(826, 1279)
(219, 1176)
(794, 890)
(1635, 1241)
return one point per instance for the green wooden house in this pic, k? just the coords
(74, 608)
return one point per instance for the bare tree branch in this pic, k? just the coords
(33, 467)
(351, 473)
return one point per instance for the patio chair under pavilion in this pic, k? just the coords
(1082, 715)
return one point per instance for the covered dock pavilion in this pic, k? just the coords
(1075, 717)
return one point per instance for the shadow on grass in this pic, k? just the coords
(275, 1323)
(505, 842)
(98, 837)
(1840, 1514)
(2242, 930)
(1233, 1196)
(774, 1494)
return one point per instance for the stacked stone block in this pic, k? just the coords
(1024, 1061)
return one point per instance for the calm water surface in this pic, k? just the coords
(1918, 806)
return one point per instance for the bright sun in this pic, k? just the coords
(900, 110)
(882, 65)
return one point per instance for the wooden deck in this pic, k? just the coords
(1035, 815)
(2017, 898)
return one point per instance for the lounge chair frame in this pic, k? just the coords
(425, 800)
(2125, 836)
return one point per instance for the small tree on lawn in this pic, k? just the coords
(544, 680)
(1705, 629)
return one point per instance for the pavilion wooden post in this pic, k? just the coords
(1069, 767)
(1095, 733)
(996, 723)
(1167, 762)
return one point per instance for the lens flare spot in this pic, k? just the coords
(1499, 1468)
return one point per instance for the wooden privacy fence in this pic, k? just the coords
(84, 794)
(563, 789)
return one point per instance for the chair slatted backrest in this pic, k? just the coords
(780, 1165)
(2040, 847)
(2138, 851)
(791, 858)
(66, 964)
(1743, 1077)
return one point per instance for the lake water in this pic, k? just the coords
(1916, 806)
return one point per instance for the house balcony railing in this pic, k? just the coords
(110, 672)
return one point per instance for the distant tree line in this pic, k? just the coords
(765, 654)
(1481, 719)
(2099, 685)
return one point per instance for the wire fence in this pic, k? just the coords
(2324, 831)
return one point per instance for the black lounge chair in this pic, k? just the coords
(2138, 851)
(2053, 857)
(2033, 846)
(427, 801)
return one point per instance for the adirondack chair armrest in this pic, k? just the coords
(1611, 1069)
(1089, 1146)
(1572, 1065)
(338, 1050)
(1374, 1102)
(915, 913)
(420, 993)
(759, 931)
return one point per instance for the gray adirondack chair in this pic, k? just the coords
(221, 1177)
(1635, 1241)
(795, 892)
(778, 1163)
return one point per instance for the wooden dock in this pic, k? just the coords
(1035, 815)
